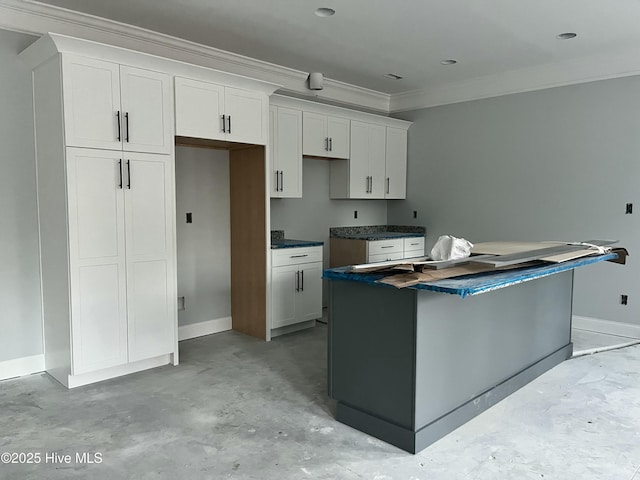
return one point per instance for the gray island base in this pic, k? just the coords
(409, 366)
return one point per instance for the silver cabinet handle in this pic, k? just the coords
(126, 122)
(229, 119)
(119, 128)
(367, 184)
(387, 246)
(120, 164)
(371, 184)
(412, 244)
(302, 281)
(129, 174)
(282, 180)
(298, 256)
(330, 144)
(277, 181)
(224, 124)
(297, 281)
(326, 144)
(388, 185)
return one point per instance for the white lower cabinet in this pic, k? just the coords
(394, 249)
(296, 285)
(121, 258)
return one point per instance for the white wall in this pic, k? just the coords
(310, 217)
(204, 248)
(20, 305)
(556, 164)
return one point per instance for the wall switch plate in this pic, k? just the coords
(624, 299)
(355, 214)
(189, 217)
(629, 208)
(415, 214)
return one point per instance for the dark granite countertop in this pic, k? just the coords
(377, 232)
(290, 243)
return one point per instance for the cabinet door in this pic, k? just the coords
(146, 103)
(275, 172)
(338, 131)
(91, 92)
(288, 152)
(150, 256)
(309, 298)
(199, 109)
(396, 163)
(315, 141)
(359, 162)
(97, 259)
(245, 111)
(377, 145)
(283, 295)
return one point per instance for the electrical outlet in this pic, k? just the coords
(624, 299)
(355, 214)
(415, 214)
(629, 208)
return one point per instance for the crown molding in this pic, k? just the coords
(583, 70)
(28, 16)
(32, 17)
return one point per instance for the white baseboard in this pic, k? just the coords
(113, 372)
(21, 366)
(201, 329)
(606, 326)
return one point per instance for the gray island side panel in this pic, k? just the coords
(409, 366)
(466, 346)
(371, 349)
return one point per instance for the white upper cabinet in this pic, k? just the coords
(199, 107)
(325, 136)
(286, 152)
(146, 103)
(116, 107)
(367, 160)
(396, 164)
(217, 112)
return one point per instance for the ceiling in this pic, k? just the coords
(367, 39)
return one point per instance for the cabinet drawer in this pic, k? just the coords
(383, 257)
(414, 243)
(395, 245)
(295, 256)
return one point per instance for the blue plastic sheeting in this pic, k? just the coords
(478, 283)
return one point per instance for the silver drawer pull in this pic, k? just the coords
(414, 244)
(298, 256)
(388, 246)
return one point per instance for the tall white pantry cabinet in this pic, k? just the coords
(105, 167)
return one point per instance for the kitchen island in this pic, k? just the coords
(410, 365)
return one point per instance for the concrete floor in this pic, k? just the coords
(586, 342)
(240, 408)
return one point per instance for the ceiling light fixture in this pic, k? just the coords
(448, 62)
(566, 36)
(325, 12)
(393, 76)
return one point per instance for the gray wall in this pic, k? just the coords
(21, 311)
(310, 217)
(555, 164)
(204, 246)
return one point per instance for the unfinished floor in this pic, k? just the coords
(237, 407)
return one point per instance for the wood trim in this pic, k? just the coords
(248, 197)
(347, 251)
